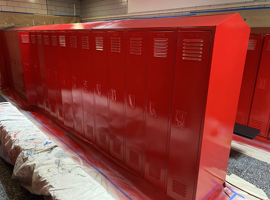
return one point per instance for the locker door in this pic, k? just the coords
(42, 69)
(36, 66)
(249, 78)
(159, 78)
(135, 98)
(28, 70)
(187, 109)
(42, 39)
(76, 81)
(51, 64)
(86, 61)
(116, 64)
(259, 115)
(100, 48)
(64, 74)
(56, 76)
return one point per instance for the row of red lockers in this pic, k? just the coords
(141, 91)
(254, 101)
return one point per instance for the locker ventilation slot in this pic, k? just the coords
(73, 42)
(33, 39)
(238, 119)
(62, 41)
(256, 124)
(136, 46)
(99, 43)
(115, 45)
(252, 44)
(154, 171)
(192, 49)
(102, 137)
(39, 39)
(116, 145)
(134, 158)
(68, 118)
(85, 42)
(25, 39)
(90, 131)
(60, 113)
(78, 123)
(268, 45)
(160, 47)
(54, 40)
(46, 40)
(179, 187)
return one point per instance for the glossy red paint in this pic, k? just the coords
(165, 95)
(260, 110)
(249, 78)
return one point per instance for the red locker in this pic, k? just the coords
(43, 71)
(65, 74)
(260, 110)
(36, 66)
(76, 80)
(28, 69)
(100, 49)
(86, 62)
(161, 47)
(116, 65)
(192, 63)
(249, 78)
(136, 51)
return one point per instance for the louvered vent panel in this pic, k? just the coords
(46, 40)
(54, 40)
(25, 39)
(192, 49)
(238, 119)
(33, 39)
(73, 42)
(179, 188)
(62, 41)
(252, 44)
(154, 171)
(256, 124)
(78, 123)
(160, 47)
(134, 158)
(102, 137)
(90, 131)
(136, 46)
(85, 42)
(39, 39)
(99, 43)
(268, 45)
(117, 147)
(115, 44)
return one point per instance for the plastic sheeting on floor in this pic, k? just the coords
(39, 164)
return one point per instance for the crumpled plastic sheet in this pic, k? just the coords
(39, 164)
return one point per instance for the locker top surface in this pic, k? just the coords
(185, 22)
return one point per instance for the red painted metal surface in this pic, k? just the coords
(260, 110)
(249, 78)
(158, 96)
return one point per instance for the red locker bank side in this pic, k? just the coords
(3, 68)
(249, 78)
(260, 110)
(224, 81)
